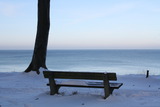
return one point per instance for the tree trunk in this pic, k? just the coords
(40, 48)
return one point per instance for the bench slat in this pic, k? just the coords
(113, 85)
(79, 75)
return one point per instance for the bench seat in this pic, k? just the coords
(90, 85)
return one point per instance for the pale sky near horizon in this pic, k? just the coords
(83, 24)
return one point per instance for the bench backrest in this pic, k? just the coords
(79, 75)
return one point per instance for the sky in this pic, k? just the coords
(83, 24)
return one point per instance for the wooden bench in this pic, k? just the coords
(104, 83)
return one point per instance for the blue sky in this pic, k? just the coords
(83, 24)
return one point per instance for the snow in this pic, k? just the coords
(30, 90)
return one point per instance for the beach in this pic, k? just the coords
(18, 89)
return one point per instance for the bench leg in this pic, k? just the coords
(106, 86)
(53, 87)
(58, 87)
(111, 90)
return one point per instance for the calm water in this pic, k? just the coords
(119, 61)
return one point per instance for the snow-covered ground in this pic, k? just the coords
(30, 90)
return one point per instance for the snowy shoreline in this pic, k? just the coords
(29, 90)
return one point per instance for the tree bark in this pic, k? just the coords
(40, 48)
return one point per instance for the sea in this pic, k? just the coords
(119, 61)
